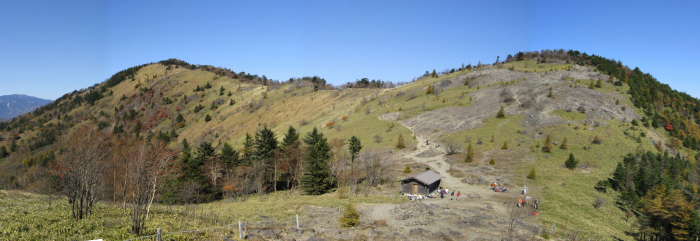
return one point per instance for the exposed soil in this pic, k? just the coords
(526, 97)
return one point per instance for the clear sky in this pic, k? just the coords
(49, 48)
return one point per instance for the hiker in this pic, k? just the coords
(426, 142)
(452, 195)
(537, 203)
(504, 189)
(442, 195)
(524, 190)
(520, 202)
(458, 193)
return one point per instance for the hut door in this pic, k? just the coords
(415, 188)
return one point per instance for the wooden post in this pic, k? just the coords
(240, 230)
(158, 234)
(297, 221)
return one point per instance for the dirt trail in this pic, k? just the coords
(439, 164)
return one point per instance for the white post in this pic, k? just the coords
(158, 234)
(297, 221)
(240, 230)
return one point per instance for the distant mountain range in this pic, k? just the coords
(14, 105)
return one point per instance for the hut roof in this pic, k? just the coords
(426, 177)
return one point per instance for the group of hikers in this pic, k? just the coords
(446, 191)
(496, 188)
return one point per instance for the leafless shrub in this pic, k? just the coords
(376, 167)
(82, 166)
(377, 138)
(452, 147)
(515, 219)
(599, 202)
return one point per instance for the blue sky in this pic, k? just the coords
(49, 48)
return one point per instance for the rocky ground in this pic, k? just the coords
(527, 96)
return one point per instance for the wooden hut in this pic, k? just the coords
(422, 183)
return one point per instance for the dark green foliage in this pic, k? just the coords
(118, 129)
(248, 149)
(354, 147)
(571, 162)
(291, 137)
(197, 108)
(265, 144)
(207, 118)
(635, 123)
(501, 113)
(229, 157)
(3, 152)
(101, 125)
(207, 86)
(317, 178)
(179, 118)
(123, 75)
(221, 91)
(233, 102)
(137, 128)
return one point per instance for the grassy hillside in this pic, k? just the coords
(459, 107)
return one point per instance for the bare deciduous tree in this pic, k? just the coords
(516, 216)
(149, 164)
(452, 147)
(376, 167)
(81, 167)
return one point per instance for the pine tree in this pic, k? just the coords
(247, 149)
(350, 216)
(400, 143)
(316, 179)
(407, 169)
(599, 84)
(265, 146)
(228, 156)
(547, 144)
(532, 175)
(470, 154)
(354, 147)
(501, 113)
(571, 162)
(434, 74)
(564, 144)
(291, 137)
(591, 86)
(207, 118)
(505, 145)
(3, 152)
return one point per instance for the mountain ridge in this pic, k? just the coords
(17, 104)
(568, 96)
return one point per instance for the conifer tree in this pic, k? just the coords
(547, 144)
(228, 156)
(400, 143)
(532, 175)
(291, 137)
(591, 86)
(3, 152)
(564, 144)
(407, 169)
(505, 145)
(434, 74)
(247, 149)
(501, 113)
(350, 216)
(316, 179)
(470, 154)
(571, 162)
(354, 147)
